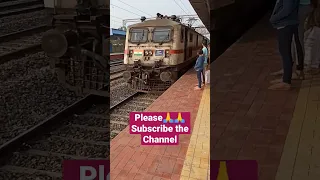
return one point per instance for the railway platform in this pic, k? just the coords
(278, 129)
(130, 159)
(116, 56)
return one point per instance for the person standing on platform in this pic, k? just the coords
(207, 72)
(285, 19)
(208, 47)
(297, 53)
(312, 39)
(205, 54)
(199, 68)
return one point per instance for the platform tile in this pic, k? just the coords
(130, 159)
(196, 163)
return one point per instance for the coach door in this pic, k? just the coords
(185, 48)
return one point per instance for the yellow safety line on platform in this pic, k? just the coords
(197, 161)
(300, 157)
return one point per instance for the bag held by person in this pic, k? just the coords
(207, 77)
(312, 46)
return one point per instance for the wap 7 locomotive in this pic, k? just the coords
(78, 44)
(158, 51)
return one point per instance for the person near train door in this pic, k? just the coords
(205, 64)
(312, 39)
(207, 73)
(297, 52)
(285, 19)
(199, 68)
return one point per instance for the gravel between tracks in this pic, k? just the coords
(21, 43)
(119, 92)
(29, 93)
(10, 24)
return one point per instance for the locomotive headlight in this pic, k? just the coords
(130, 53)
(126, 75)
(165, 76)
(150, 53)
(146, 53)
(167, 54)
(55, 43)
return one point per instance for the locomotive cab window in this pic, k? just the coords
(161, 35)
(138, 35)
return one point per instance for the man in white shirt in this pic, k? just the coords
(205, 64)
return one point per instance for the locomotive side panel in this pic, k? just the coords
(176, 55)
(193, 44)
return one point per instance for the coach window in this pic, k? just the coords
(161, 35)
(138, 35)
(191, 37)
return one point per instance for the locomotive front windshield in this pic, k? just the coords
(138, 35)
(161, 35)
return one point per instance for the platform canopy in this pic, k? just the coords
(203, 8)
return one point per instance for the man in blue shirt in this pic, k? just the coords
(199, 68)
(285, 19)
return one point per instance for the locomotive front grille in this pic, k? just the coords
(153, 85)
(83, 76)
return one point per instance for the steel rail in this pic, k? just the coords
(47, 125)
(23, 51)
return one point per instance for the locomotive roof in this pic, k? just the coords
(159, 22)
(156, 22)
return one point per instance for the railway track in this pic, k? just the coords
(8, 8)
(119, 113)
(78, 132)
(117, 62)
(116, 69)
(116, 74)
(15, 45)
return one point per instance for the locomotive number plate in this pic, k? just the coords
(159, 53)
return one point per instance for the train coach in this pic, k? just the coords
(78, 44)
(158, 51)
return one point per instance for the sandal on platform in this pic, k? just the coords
(277, 73)
(280, 86)
(298, 75)
(276, 81)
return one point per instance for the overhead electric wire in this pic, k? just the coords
(185, 6)
(116, 17)
(135, 8)
(117, 21)
(180, 7)
(125, 10)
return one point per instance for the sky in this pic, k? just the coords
(134, 9)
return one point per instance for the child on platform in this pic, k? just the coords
(199, 68)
